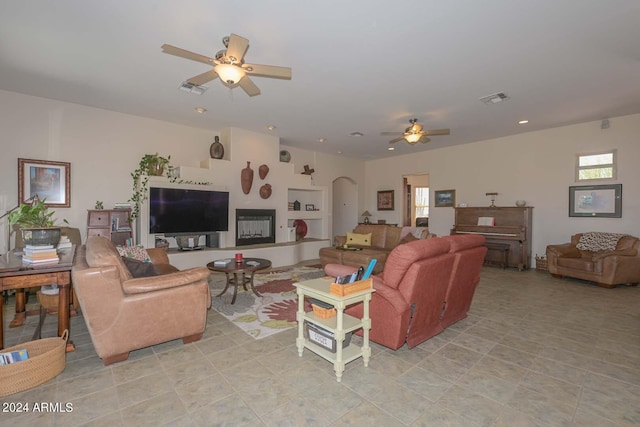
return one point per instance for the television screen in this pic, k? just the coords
(180, 211)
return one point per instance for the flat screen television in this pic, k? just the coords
(175, 211)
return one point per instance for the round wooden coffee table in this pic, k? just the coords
(244, 269)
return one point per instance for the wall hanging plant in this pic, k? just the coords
(150, 165)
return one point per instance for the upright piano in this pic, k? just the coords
(508, 239)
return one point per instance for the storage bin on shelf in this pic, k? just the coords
(323, 313)
(47, 359)
(323, 338)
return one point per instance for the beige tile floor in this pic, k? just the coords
(534, 351)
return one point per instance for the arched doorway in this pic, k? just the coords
(345, 206)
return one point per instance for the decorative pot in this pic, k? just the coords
(285, 156)
(521, 203)
(217, 149)
(41, 236)
(156, 170)
(265, 191)
(246, 178)
(263, 170)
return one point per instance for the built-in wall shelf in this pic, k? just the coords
(313, 211)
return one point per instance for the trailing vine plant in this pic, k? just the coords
(150, 165)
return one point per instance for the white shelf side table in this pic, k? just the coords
(339, 325)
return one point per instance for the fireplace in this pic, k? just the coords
(255, 226)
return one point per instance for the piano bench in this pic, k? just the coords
(497, 253)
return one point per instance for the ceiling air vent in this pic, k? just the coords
(495, 98)
(191, 88)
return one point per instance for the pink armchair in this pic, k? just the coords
(410, 293)
(124, 313)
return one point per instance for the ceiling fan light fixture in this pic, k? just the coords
(229, 74)
(413, 138)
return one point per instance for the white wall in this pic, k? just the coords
(537, 167)
(103, 148)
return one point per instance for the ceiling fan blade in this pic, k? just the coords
(172, 50)
(237, 48)
(436, 132)
(203, 78)
(391, 133)
(393, 141)
(424, 140)
(268, 71)
(249, 86)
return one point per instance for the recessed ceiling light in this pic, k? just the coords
(271, 127)
(339, 152)
(523, 122)
(356, 134)
(200, 110)
(321, 139)
(391, 148)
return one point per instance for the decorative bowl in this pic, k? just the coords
(521, 203)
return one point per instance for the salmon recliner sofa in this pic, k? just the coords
(124, 313)
(425, 286)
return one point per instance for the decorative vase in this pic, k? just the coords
(217, 149)
(285, 156)
(263, 170)
(246, 178)
(265, 191)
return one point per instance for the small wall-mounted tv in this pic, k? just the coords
(175, 211)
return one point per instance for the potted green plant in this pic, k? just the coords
(36, 223)
(150, 165)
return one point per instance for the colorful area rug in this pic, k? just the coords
(275, 311)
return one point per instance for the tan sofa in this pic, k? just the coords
(607, 267)
(384, 238)
(124, 313)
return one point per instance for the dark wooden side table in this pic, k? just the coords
(16, 275)
(239, 273)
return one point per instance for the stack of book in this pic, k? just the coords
(64, 242)
(40, 254)
(122, 205)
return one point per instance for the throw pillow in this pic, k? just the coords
(408, 238)
(359, 239)
(139, 268)
(136, 252)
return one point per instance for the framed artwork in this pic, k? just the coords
(445, 198)
(50, 181)
(385, 200)
(309, 207)
(596, 201)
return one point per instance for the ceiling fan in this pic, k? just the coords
(229, 65)
(414, 133)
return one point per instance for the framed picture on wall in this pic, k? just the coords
(596, 201)
(385, 200)
(445, 198)
(50, 181)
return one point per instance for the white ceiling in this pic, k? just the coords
(366, 66)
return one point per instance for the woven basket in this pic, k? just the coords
(541, 264)
(46, 360)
